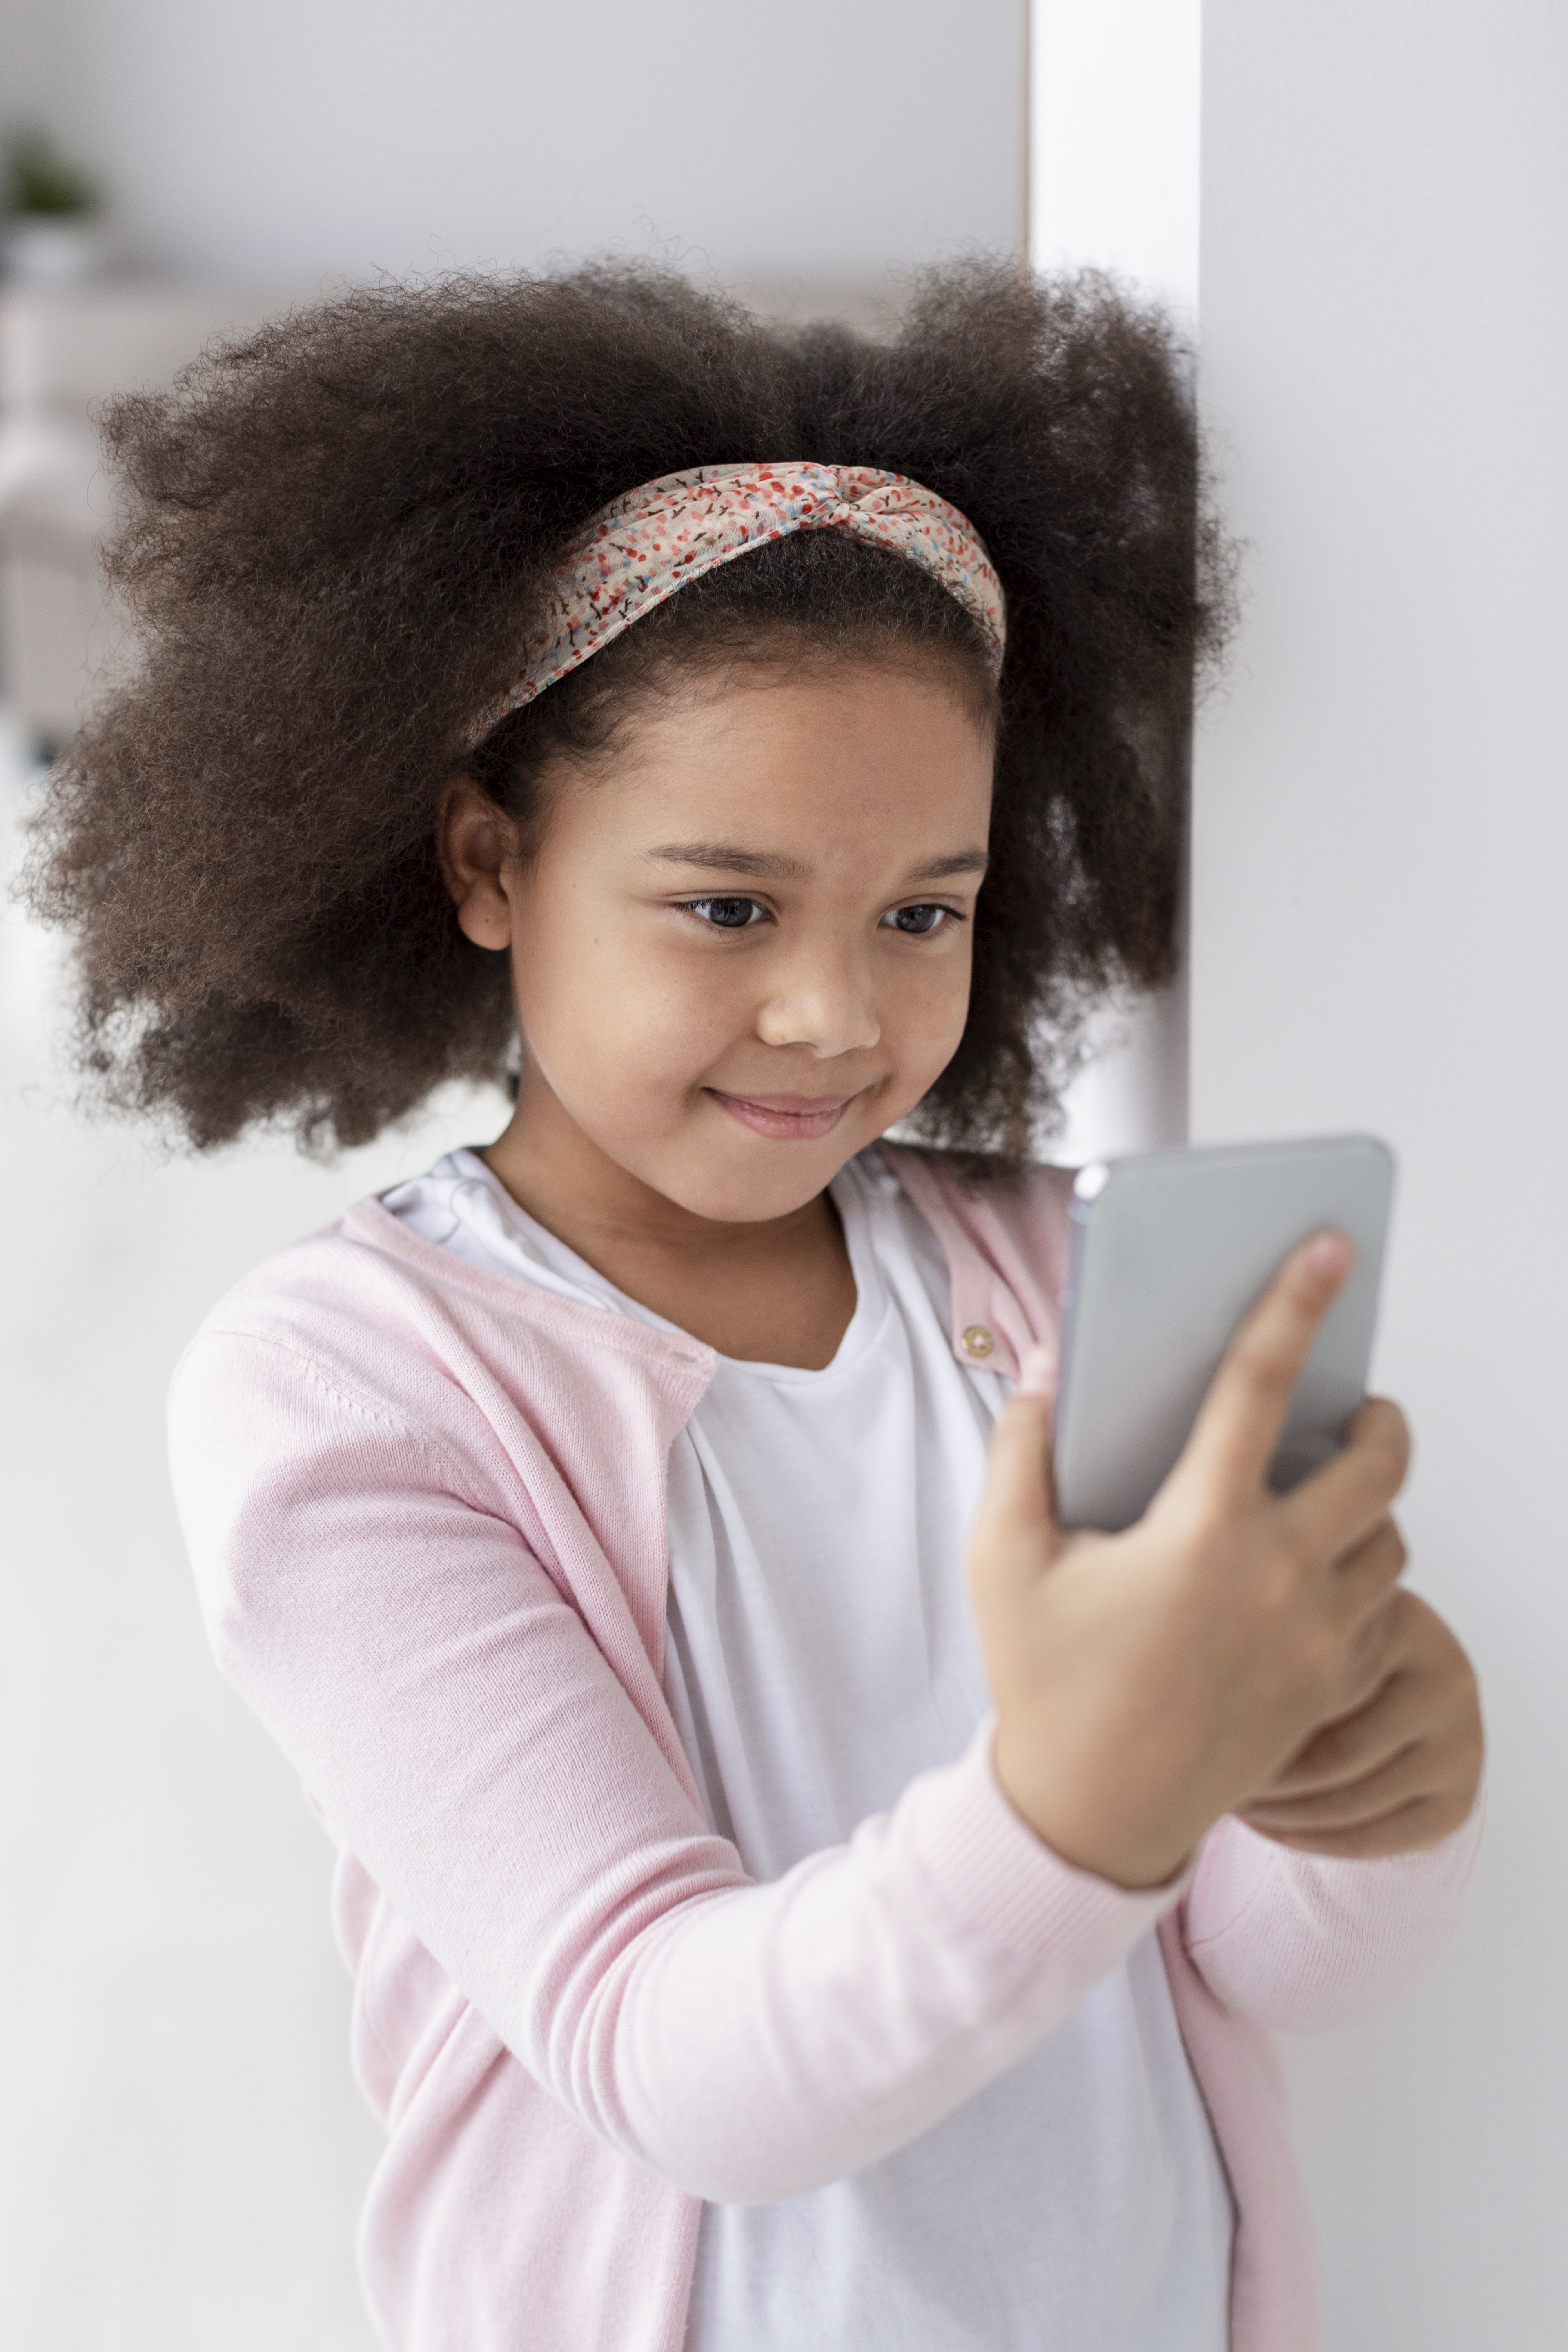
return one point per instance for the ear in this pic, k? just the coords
(474, 843)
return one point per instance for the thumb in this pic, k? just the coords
(1016, 1532)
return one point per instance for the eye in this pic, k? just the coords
(726, 914)
(919, 922)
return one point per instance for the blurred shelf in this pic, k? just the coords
(63, 349)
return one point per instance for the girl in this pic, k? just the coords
(760, 1942)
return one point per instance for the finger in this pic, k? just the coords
(1369, 1658)
(1338, 1505)
(1423, 1690)
(1359, 1743)
(1409, 1773)
(1239, 1425)
(1409, 1828)
(1365, 1578)
(1385, 1640)
(1016, 1502)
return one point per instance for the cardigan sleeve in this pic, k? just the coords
(1305, 1942)
(463, 1734)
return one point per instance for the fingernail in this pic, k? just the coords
(1037, 1372)
(1330, 1253)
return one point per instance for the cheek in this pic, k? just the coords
(925, 1017)
(606, 1011)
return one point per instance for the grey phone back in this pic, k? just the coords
(1169, 1250)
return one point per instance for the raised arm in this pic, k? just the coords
(469, 1744)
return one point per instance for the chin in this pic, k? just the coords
(752, 1189)
(746, 1202)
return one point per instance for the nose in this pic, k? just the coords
(824, 1002)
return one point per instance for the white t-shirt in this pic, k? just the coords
(821, 1653)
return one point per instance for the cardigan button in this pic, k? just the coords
(977, 1340)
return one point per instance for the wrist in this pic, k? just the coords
(1138, 1856)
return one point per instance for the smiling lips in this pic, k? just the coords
(784, 1117)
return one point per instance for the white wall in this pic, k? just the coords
(275, 143)
(182, 2149)
(1113, 184)
(1380, 941)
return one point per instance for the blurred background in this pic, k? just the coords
(1359, 211)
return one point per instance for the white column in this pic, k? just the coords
(1114, 142)
(1113, 181)
(1380, 941)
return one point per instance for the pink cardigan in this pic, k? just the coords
(425, 1508)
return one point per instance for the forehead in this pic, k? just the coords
(802, 762)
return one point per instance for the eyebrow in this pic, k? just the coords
(726, 858)
(965, 861)
(766, 865)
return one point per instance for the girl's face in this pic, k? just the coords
(743, 952)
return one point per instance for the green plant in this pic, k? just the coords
(40, 184)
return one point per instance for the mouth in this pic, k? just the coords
(785, 1118)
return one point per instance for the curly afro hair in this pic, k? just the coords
(334, 536)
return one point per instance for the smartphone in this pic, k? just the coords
(1169, 1250)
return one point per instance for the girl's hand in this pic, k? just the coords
(1399, 1772)
(1148, 1682)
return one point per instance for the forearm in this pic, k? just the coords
(758, 2045)
(473, 1748)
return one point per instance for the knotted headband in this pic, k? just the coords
(644, 546)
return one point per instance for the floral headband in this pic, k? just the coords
(641, 547)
